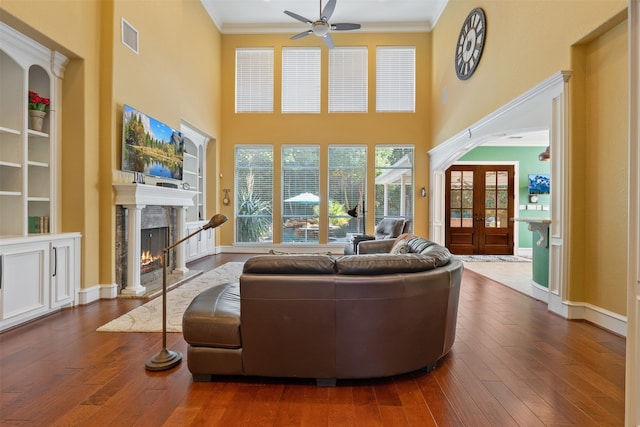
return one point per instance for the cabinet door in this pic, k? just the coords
(193, 244)
(62, 272)
(24, 281)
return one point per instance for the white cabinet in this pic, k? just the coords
(37, 276)
(202, 243)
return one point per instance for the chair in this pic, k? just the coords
(387, 228)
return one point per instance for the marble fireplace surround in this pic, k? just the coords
(135, 197)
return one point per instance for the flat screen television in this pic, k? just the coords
(150, 147)
(539, 183)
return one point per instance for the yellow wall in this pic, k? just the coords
(176, 76)
(526, 43)
(350, 128)
(606, 172)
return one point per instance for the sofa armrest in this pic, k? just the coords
(376, 246)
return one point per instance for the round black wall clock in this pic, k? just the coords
(470, 44)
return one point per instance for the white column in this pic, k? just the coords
(181, 214)
(134, 217)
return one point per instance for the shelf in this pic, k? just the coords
(10, 131)
(10, 164)
(37, 134)
(38, 164)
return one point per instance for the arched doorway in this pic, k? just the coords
(543, 107)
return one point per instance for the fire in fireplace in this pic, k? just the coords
(152, 243)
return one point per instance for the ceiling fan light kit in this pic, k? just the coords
(321, 27)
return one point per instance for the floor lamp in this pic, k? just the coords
(167, 359)
(354, 213)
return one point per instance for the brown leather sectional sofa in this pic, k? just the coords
(313, 316)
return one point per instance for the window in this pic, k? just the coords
(301, 80)
(254, 189)
(348, 72)
(347, 179)
(300, 193)
(254, 80)
(395, 79)
(394, 182)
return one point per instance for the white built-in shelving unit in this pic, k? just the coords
(194, 174)
(39, 269)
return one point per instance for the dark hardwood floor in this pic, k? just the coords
(513, 363)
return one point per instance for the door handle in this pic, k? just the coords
(55, 261)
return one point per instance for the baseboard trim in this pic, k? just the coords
(97, 292)
(539, 292)
(88, 295)
(606, 319)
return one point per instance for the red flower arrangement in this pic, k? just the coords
(36, 102)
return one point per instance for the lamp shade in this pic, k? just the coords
(215, 221)
(545, 156)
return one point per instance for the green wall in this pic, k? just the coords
(528, 163)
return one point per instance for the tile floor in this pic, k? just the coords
(516, 275)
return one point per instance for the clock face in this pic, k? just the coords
(470, 44)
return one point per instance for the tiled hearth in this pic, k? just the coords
(138, 207)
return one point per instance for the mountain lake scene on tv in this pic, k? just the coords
(151, 147)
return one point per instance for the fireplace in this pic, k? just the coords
(140, 209)
(152, 244)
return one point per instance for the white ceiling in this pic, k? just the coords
(267, 16)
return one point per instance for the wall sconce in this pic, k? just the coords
(545, 155)
(423, 192)
(226, 200)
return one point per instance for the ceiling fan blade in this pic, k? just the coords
(302, 34)
(328, 41)
(328, 10)
(298, 17)
(345, 27)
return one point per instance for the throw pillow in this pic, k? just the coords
(401, 247)
(403, 238)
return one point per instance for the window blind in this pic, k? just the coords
(347, 178)
(300, 193)
(301, 80)
(395, 79)
(254, 193)
(348, 79)
(254, 80)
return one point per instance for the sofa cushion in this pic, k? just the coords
(384, 264)
(290, 264)
(213, 318)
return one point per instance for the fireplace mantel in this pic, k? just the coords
(144, 195)
(135, 197)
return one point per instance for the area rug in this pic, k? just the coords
(491, 258)
(148, 317)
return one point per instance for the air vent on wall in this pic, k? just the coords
(129, 36)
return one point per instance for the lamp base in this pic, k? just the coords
(164, 360)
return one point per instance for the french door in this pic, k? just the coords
(479, 204)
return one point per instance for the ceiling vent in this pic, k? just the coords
(129, 36)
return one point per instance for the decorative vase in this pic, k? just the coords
(36, 119)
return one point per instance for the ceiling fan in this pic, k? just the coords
(322, 27)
